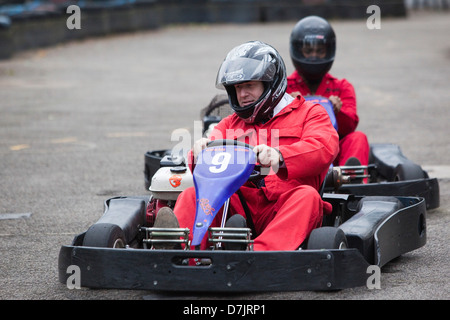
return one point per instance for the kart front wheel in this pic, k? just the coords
(105, 235)
(327, 238)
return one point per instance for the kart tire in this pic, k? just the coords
(408, 171)
(327, 238)
(105, 235)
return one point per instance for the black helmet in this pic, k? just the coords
(253, 61)
(310, 35)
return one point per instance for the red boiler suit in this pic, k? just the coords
(352, 143)
(288, 207)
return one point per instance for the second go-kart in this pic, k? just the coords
(118, 250)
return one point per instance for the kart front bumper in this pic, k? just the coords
(229, 271)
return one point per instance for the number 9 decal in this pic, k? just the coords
(220, 161)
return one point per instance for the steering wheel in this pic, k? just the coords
(256, 174)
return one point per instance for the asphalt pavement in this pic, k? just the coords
(77, 118)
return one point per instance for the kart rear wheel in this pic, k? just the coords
(105, 235)
(327, 238)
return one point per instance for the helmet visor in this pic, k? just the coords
(313, 49)
(240, 70)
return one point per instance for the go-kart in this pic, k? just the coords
(118, 251)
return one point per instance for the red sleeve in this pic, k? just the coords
(292, 83)
(347, 118)
(317, 148)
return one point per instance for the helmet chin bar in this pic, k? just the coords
(312, 72)
(250, 112)
(260, 109)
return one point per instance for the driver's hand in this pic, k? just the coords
(267, 156)
(199, 145)
(336, 102)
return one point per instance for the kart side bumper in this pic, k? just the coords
(230, 271)
(425, 188)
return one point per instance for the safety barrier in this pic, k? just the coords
(39, 23)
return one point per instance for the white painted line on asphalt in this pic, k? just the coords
(65, 140)
(8, 216)
(127, 134)
(19, 147)
(45, 234)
